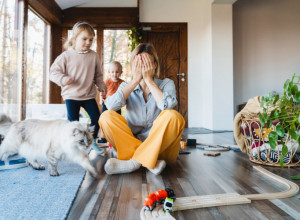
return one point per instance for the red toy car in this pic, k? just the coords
(158, 197)
(150, 201)
(161, 195)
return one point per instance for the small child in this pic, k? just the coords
(77, 71)
(112, 84)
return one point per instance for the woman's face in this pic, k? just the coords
(151, 58)
(148, 55)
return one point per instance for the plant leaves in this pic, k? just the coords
(265, 115)
(267, 98)
(276, 99)
(285, 150)
(261, 119)
(283, 112)
(272, 143)
(273, 135)
(272, 114)
(294, 89)
(293, 134)
(296, 177)
(281, 161)
(289, 89)
(262, 101)
(269, 123)
(297, 97)
(276, 114)
(286, 84)
(280, 130)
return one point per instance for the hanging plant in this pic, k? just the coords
(134, 37)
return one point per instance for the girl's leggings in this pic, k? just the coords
(91, 107)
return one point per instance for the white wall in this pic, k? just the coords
(266, 46)
(222, 66)
(198, 15)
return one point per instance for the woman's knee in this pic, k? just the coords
(173, 115)
(106, 116)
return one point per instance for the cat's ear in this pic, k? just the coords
(76, 131)
(91, 129)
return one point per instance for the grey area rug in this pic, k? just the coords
(32, 194)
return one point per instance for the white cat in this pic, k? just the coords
(49, 140)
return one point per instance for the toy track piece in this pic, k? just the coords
(204, 201)
(156, 214)
(292, 188)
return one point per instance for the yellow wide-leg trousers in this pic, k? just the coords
(163, 142)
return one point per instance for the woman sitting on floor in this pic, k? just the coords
(150, 134)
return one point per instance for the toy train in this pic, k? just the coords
(165, 197)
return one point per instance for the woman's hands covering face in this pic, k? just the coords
(137, 68)
(148, 67)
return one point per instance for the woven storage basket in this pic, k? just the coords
(259, 151)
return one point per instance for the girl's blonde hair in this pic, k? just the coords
(147, 48)
(116, 63)
(77, 29)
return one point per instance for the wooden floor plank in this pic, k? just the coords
(104, 204)
(130, 200)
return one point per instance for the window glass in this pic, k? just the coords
(9, 60)
(116, 49)
(36, 88)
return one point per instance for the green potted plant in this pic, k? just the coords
(134, 37)
(284, 109)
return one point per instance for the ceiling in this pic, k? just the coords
(64, 4)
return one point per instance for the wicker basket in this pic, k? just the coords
(259, 151)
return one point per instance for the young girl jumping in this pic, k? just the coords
(77, 72)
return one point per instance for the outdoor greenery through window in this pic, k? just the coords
(116, 49)
(37, 68)
(9, 59)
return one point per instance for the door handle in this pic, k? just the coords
(181, 74)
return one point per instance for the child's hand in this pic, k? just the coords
(101, 101)
(67, 80)
(102, 96)
(103, 93)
